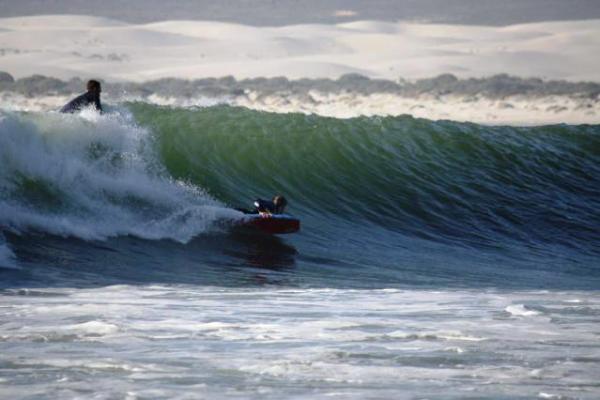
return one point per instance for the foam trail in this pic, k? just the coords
(94, 177)
(520, 310)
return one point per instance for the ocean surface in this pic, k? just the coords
(436, 260)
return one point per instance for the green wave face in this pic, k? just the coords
(447, 181)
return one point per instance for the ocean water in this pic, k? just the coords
(436, 259)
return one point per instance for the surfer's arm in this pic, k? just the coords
(97, 104)
(262, 208)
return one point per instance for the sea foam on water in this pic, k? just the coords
(93, 177)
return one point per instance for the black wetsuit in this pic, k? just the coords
(83, 101)
(265, 206)
(260, 206)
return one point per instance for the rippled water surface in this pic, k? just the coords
(435, 260)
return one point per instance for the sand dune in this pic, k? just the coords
(81, 46)
(68, 46)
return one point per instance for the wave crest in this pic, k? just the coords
(94, 177)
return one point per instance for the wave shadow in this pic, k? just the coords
(221, 259)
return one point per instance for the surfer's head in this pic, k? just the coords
(280, 203)
(94, 86)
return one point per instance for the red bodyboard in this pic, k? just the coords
(274, 224)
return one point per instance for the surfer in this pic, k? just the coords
(268, 216)
(275, 206)
(267, 207)
(92, 96)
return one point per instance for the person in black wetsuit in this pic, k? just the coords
(92, 96)
(275, 206)
(267, 207)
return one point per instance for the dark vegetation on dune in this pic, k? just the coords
(495, 87)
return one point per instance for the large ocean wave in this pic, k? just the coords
(462, 183)
(378, 192)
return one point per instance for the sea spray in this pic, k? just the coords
(93, 177)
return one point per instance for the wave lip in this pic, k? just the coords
(94, 177)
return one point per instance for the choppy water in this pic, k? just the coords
(436, 260)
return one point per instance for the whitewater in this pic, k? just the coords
(188, 341)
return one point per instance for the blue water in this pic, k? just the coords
(432, 254)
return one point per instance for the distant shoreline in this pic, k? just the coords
(500, 99)
(495, 87)
(527, 74)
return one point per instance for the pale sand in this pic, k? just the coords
(70, 46)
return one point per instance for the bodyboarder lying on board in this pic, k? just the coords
(267, 208)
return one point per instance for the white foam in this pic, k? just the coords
(94, 328)
(543, 395)
(99, 177)
(301, 343)
(513, 110)
(520, 310)
(435, 335)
